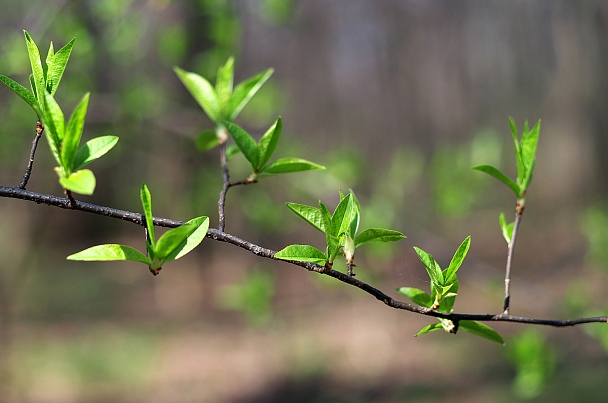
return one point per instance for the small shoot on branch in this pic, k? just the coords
(64, 140)
(444, 289)
(340, 229)
(172, 245)
(222, 102)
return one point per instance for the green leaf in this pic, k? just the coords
(56, 66)
(82, 182)
(231, 151)
(111, 252)
(457, 260)
(529, 143)
(202, 91)
(286, 165)
(268, 142)
(179, 241)
(92, 150)
(245, 143)
(482, 330)
(302, 253)
(507, 229)
(378, 235)
(73, 134)
(36, 63)
(54, 120)
(448, 297)
(432, 268)
(23, 93)
(244, 91)
(223, 84)
(343, 216)
(494, 172)
(311, 215)
(429, 329)
(417, 296)
(207, 140)
(146, 202)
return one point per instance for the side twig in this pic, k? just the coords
(519, 211)
(217, 235)
(30, 164)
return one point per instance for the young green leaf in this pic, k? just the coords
(287, 165)
(529, 143)
(245, 143)
(203, 92)
(448, 297)
(146, 202)
(459, 256)
(482, 330)
(268, 142)
(224, 83)
(207, 140)
(92, 150)
(73, 134)
(429, 329)
(417, 296)
(82, 182)
(111, 252)
(36, 63)
(54, 121)
(378, 235)
(56, 66)
(507, 229)
(495, 173)
(311, 215)
(432, 268)
(23, 93)
(243, 92)
(343, 215)
(302, 253)
(179, 241)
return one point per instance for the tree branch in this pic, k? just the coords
(137, 218)
(30, 164)
(519, 211)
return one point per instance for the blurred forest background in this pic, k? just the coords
(398, 99)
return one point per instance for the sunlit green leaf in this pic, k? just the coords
(245, 143)
(223, 84)
(146, 202)
(57, 65)
(110, 252)
(378, 235)
(311, 215)
(495, 173)
(93, 149)
(23, 93)
(482, 330)
(268, 142)
(73, 134)
(343, 215)
(244, 91)
(202, 91)
(432, 268)
(417, 296)
(286, 165)
(36, 64)
(54, 120)
(448, 298)
(459, 256)
(507, 229)
(82, 182)
(179, 241)
(302, 253)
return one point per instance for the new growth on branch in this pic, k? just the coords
(222, 103)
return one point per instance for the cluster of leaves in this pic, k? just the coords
(172, 245)
(63, 138)
(222, 104)
(340, 229)
(444, 289)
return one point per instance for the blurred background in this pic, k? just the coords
(398, 99)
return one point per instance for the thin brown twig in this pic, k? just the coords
(519, 211)
(137, 218)
(30, 164)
